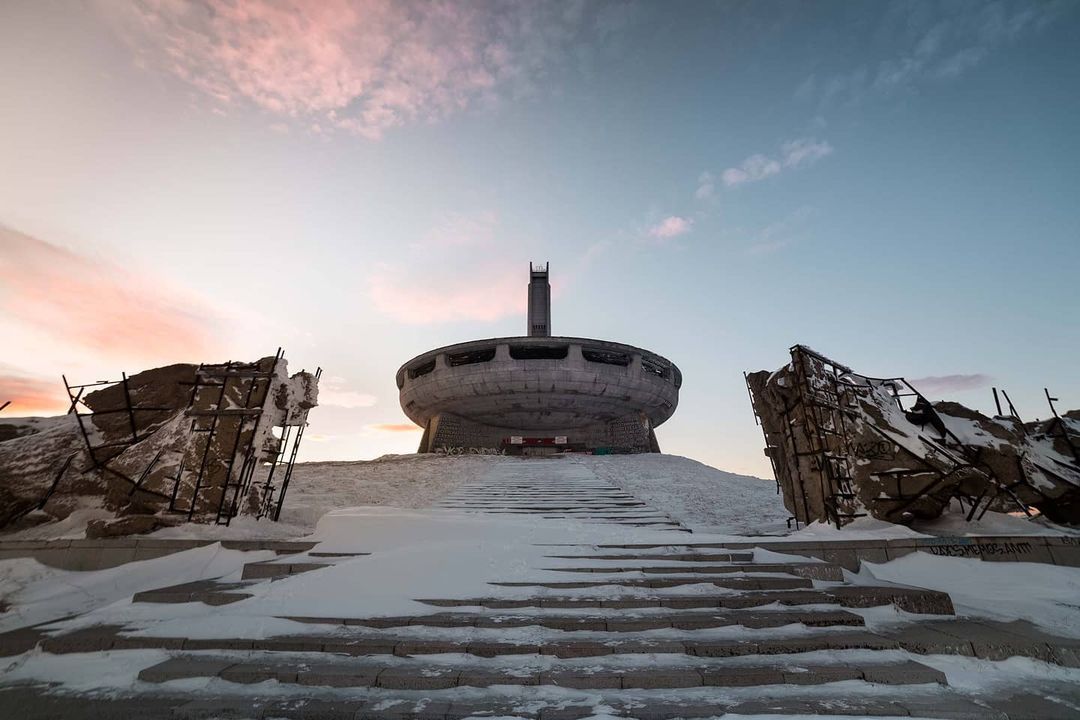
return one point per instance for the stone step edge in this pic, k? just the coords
(600, 623)
(736, 583)
(934, 702)
(815, 571)
(683, 557)
(108, 638)
(444, 677)
(911, 600)
(984, 642)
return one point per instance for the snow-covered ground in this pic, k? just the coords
(416, 550)
(701, 497)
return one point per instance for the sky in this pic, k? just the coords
(895, 184)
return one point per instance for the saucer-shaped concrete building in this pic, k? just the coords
(538, 393)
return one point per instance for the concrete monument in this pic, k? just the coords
(538, 393)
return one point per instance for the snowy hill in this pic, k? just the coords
(699, 496)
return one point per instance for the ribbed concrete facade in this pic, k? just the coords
(549, 392)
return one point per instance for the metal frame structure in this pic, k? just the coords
(94, 452)
(222, 421)
(269, 507)
(824, 414)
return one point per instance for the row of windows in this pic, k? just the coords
(649, 364)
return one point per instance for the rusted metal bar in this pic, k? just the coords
(176, 486)
(206, 450)
(145, 473)
(56, 480)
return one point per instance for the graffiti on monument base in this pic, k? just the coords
(981, 549)
(454, 451)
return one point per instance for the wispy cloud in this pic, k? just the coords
(29, 395)
(933, 43)
(706, 186)
(934, 384)
(395, 427)
(363, 66)
(334, 391)
(804, 151)
(752, 169)
(99, 306)
(797, 153)
(671, 227)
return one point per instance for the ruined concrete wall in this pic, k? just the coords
(843, 445)
(168, 445)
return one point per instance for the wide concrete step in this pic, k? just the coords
(531, 703)
(544, 495)
(443, 677)
(623, 622)
(985, 640)
(209, 592)
(673, 557)
(100, 639)
(912, 600)
(576, 509)
(815, 571)
(272, 569)
(656, 517)
(747, 583)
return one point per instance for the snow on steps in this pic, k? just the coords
(825, 701)
(657, 634)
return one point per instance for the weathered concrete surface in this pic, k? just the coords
(102, 553)
(844, 445)
(597, 394)
(670, 659)
(160, 447)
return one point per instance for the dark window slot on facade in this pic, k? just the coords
(539, 352)
(470, 357)
(606, 357)
(422, 369)
(656, 367)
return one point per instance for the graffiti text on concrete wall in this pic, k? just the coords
(468, 451)
(872, 450)
(1007, 548)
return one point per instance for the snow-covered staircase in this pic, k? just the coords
(555, 489)
(635, 629)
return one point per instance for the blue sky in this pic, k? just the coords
(894, 184)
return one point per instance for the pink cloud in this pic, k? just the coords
(396, 427)
(672, 226)
(98, 306)
(363, 66)
(30, 396)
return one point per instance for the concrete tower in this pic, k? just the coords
(539, 302)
